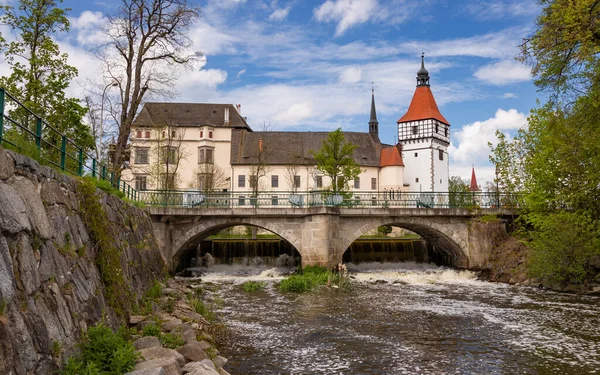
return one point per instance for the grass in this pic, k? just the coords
(253, 286)
(201, 308)
(307, 279)
(168, 340)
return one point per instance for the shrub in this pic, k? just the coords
(306, 280)
(170, 340)
(151, 330)
(102, 352)
(253, 286)
(562, 245)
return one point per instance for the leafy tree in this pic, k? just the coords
(458, 190)
(40, 74)
(148, 41)
(335, 159)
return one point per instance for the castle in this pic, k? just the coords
(211, 147)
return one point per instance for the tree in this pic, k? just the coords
(40, 74)
(458, 192)
(210, 178)
(147, 43)
(167, 156)
(335, 159)
(259, 168)
(291, 171)
(564, 50)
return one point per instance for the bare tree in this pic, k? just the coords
(291, 171)
(167, 156)
(210, 178)
(147, 42)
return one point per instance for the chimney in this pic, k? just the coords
(226, 119)
(260, 145)
(239, 108)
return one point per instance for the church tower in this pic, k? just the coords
(373, 123)
(425, 136)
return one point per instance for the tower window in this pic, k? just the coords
(416, 154)
(437, 128)
(417, 179)
(415, 129)
(441, 154)
(445, 132)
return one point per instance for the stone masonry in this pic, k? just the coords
(322, 234)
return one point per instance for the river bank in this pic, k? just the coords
(508, 264)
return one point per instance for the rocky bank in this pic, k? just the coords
(53, 272)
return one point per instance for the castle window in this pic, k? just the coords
(445, 132)
(138, 134)
(296, 181)
(147, 133)
(357, 183)
(274, 181)
(441, 154)
(210, 134)
(373, 183)
(416, 154)
(319, 181)
(437, 128)
(201, 133)
(241, 181)
(415, 129)
(141, 182)
(417, 179)
(205, 155)
(141, 155)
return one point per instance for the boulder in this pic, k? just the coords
(170, 366)
(136, 319)
(146, 342)
(192, 352)
(150, 371)
(158, 352)
(172, 324)
(200, 368)
(220, 361)
(35, 208)
(189, 336)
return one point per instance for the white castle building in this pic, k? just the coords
(210, 147)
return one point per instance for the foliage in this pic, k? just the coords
(151, 330)
(562, 244)
(107, 257)
(335, 159)
(102, 352)
(384, 230)
(40, 74)
(564, 50)
(253, 286)
(305, 280)
(171, 340)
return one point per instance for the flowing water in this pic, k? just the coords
(405, 318)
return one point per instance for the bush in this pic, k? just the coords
(102, 352)
(306, 280)
(151, 330)
(253, 286)
(201, 308)
(562, 245)
(170, 340)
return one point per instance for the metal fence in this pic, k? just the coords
(281, 199)
(27, 133)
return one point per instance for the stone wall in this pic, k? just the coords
(51, 289)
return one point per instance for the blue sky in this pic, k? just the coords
(308, 64)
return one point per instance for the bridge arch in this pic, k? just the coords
(439, 235)
(203, 229)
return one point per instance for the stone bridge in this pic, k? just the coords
(322, 234)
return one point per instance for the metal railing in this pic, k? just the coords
(282, 199)
(27, 133)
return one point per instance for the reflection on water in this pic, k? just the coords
(407, 319)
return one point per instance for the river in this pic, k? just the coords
(405, 318)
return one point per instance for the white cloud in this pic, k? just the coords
(240, 73)
(88, 27)
(346, 13)
(498, 9)
(350, 75)
(280, 14)
(503, 73)
(509, 95)
(211, 40)
(203, 78)
(472, 139)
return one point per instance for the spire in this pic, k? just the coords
(373, 123)
(422, 74)
(474, 186)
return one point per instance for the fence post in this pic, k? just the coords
(103, 173)
(1, 113)
(80, 169)
(63, 153)
(93, 167)
(38, 133)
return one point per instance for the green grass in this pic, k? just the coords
(253, 286)
(201, 308)
(306, 280)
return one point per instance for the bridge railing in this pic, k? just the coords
(282, 199)
(25, 132)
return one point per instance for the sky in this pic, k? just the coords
(309, 65)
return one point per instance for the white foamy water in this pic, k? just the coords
(406, 319)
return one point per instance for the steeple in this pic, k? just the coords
(422, 74)
(474, 186)
(373, 123)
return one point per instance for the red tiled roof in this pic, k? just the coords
(390, 156)
(474, 186)
(423, 107)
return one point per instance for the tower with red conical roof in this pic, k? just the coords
(425, 136)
